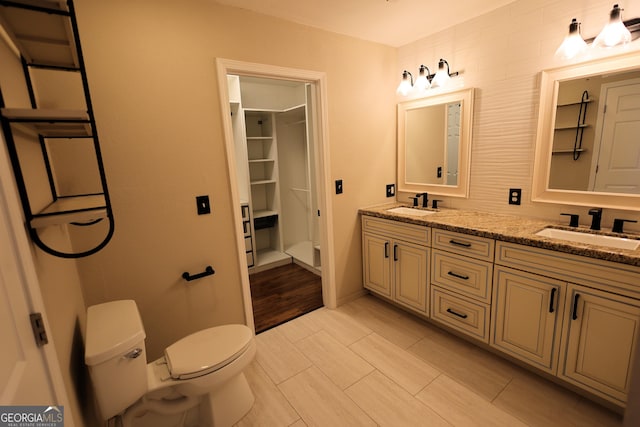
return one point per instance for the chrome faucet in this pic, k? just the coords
(597, 217)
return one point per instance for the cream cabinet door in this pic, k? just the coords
(527, 316)
(601, 330)
(377, 264)
(410, 271)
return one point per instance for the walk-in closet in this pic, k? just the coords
(275, 166)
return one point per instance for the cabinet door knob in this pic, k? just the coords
(552, 300)
(386, 249)
(395, 252)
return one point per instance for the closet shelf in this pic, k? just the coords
(71, 209)
(264, 181)
(263, 213)
(572, 127)
(568, 104)
(259, 138)
(262, 161)
(43, 39)
(50, 123)
(570, 151)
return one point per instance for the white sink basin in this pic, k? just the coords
(410, 211)
(590, 239)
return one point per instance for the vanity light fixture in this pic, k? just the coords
(406, 84)
(423, 82)
(443, 76)
(573, 43)
(615, 32)
(425, 79)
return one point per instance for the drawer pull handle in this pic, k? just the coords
(395, 252)
(459, 276)
(575, 306)
(464, 316)
(552, 300)
(386, 249)
(463, 244)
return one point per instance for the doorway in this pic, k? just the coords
(275, 132)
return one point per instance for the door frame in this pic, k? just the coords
(319, 79)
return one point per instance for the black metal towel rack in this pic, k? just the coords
(207, 272)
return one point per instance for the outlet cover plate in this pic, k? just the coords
(515, 196)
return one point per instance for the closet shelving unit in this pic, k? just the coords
(262, 153)
(45, 32)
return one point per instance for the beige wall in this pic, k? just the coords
(501, 54)
(151, 68)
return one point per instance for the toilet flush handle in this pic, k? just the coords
(133, 354)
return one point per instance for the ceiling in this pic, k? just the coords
(390, 22)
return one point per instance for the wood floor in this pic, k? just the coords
(283, 293)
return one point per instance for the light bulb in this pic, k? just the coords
(614, 33)
(422, 82)
(406, 84)
(442, 76)
(573, 43)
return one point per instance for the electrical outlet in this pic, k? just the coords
(391, 190)
(338, 186)
(515, 196)
(203, 205)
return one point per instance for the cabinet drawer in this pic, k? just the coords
(460, 313)
(464, 244)
(247, 244)
(250, 260)
(466, 275)
(246, 228)
(418, 234)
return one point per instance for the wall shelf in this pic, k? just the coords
(45, 33)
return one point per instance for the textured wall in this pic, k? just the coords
(501, 54)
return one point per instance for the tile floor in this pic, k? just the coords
(368, 363)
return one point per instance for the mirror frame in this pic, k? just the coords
(549, 84)
(465, 96)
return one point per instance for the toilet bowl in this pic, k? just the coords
(203, 370)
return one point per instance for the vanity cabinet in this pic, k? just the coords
(584, 332)
(396, 261)
(527, 316)
(600, 334)
(462, 267)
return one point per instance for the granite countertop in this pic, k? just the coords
(510, 228)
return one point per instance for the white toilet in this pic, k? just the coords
(202, 372)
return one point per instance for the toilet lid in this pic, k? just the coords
(207, 350)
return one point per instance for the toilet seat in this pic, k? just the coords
(206, 351)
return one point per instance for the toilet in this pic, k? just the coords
(200, 374)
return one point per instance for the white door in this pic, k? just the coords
(618, 169)
(29, 375)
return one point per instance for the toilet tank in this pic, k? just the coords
(116, 356)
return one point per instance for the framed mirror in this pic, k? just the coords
(587, 147)
(434, 144)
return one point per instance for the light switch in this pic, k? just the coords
(203, 205)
